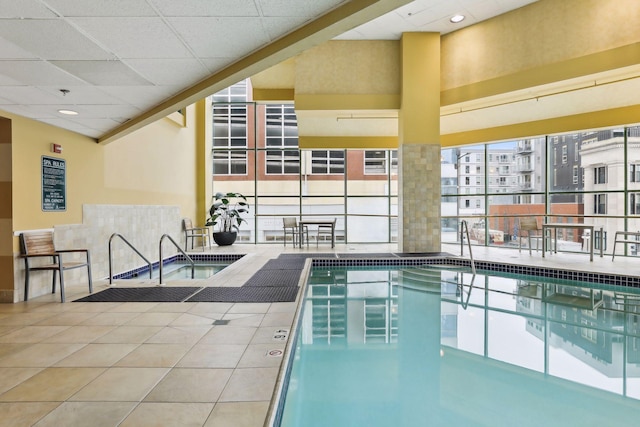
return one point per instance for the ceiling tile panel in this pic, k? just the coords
(211, 8)
(81, 95)
(153, 37)
(170, 71)
(51, 39)
(29, 94)
(277, 27)
(141, 96)
(102, 8)
(24, 9)
(102, 73)
(37, 73)
(305, 8)
(215, 37)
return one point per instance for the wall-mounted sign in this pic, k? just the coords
(54, 184)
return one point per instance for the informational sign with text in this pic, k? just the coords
(54, 184)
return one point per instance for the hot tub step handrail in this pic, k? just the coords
(132, 247)
(464, 232)
(161, 260)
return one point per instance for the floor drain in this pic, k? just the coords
(220, 322)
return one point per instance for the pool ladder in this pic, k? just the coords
(132, 247)
(179, 249)
(464, 232)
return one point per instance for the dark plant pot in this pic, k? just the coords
(225, 238)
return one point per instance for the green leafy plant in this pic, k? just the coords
(226, 211)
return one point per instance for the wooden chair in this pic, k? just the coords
(191, 232)
(290, 225)
(35, 245)
(533, 230)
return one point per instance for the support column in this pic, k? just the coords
(6, 213)
(419, 144)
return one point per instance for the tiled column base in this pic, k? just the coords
(419, 201)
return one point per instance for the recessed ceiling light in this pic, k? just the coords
(68, 112)
(457, 18)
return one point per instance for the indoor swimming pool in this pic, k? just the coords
(432, 346)
(178, 268)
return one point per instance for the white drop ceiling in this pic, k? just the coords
(120, 59)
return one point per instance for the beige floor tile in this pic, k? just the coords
(271, 335)
(24, 319)
(190, 385)
(262, 356)
(153, 319)
(173, 307)
(98, 355)
(129, 334)
(31, 334)
(66, 319)
(95, 307)
(6, 329)
(237, 319)
(52, 384)
(250, 385)
(283, 307)
(211, 307)
(121, 385)
(24, 413)
(189, 319)
(81, 414)
(238, 414)
(110, 319)
(10, 348)
(11, 377)
(229, 335)
(155, 355)
(246, 308)
(278, 319)
(134, 307)
(168, 415)
(39, 355)
(179, 335)
(79, 334)
(212, 356)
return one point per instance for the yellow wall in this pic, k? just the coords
(154, 165)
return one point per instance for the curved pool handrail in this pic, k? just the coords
(132, 247)
(161, 259)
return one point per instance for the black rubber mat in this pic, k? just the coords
(148, 294)
(285, 264)
(306, 255)
(246, 294)
(274, 278)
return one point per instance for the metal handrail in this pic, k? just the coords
(132, 247)
(464, 228)
(160, 262)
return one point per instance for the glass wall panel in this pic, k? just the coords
(368, 172)
(367, 229)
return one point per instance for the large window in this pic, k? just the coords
(600, 175)
(325, 162)
(379, 162)
(282, 155)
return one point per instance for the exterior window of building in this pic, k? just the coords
(478, 169)
(600, 175)
(575, 152)
(467, 203)
(467, 169)
(327, 162)
(575, 174)
(377, 162)
(282, 156)
(467, 180)
(555, 156)
(600, 204)
(229, 138)
(564, 154)
(634, 204)
(634, 171)
(477, 203)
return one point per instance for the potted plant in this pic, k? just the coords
(225, 212)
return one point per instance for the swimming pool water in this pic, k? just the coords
(178, 270)
(428, 347)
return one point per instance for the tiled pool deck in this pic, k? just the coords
(172, 364)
